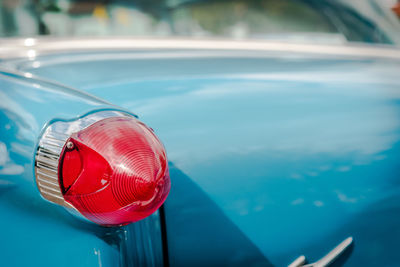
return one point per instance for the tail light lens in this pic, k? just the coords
(109, 166)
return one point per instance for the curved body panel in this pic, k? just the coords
(273, 155)
(36, 232)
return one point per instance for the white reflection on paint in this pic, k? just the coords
(36, 64)
(98, 254)
(344, 168)
(344, 198)
(7, 167)
(318, 203)
(29, 42)
(3, 154)
(10, 105)
(31, 54)
(342, 128)
(297, 201)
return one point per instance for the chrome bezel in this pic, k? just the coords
(50, 148)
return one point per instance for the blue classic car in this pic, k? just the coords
(275, 133)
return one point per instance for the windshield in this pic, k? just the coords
(298, 20)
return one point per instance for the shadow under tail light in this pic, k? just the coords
(108, 166)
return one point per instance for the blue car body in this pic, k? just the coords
(276, 150)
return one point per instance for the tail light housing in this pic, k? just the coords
(108, 166)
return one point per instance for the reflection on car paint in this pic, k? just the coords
(297, 153)
(26, 106)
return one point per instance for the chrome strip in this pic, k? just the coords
(334, 254)
(328, 259)
(300, 261)
(49, 182)
(46, 167)
(13, 48)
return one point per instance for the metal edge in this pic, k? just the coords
(32, 47)
(51, 146)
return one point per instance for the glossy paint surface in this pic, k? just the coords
(36, 232)
(273, 155)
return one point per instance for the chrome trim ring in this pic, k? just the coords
(49, 150)
(46, 165)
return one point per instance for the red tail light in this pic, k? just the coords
(111, 168)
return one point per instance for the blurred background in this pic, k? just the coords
(298, 20)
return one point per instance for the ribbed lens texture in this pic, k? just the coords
(115, 172)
